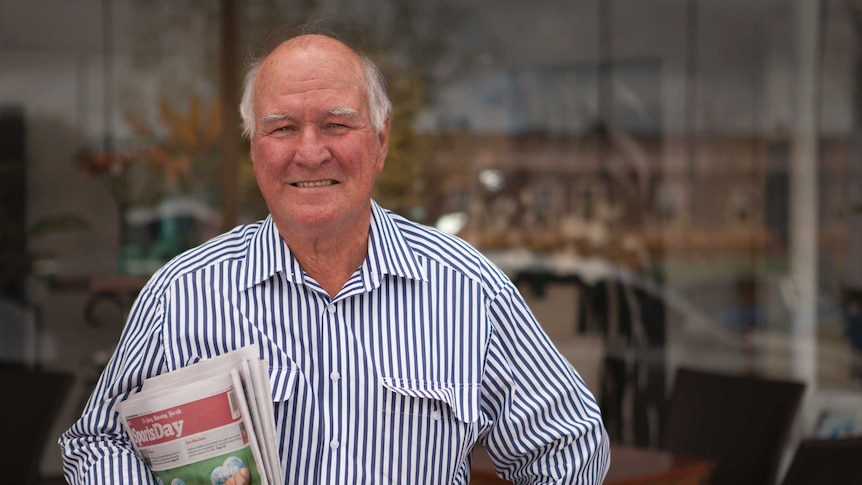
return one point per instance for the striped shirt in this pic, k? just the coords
(426, 350)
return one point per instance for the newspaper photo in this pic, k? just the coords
(208, 423)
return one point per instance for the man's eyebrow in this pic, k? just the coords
(344, 111)
(273, 117)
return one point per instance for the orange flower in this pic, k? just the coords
(169, 159)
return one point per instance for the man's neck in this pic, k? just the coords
(331, 265)
(330, 258)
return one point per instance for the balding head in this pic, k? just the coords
(311, 51)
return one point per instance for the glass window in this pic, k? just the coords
(669, 182)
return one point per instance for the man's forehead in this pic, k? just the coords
(310, 76)
(318, 69)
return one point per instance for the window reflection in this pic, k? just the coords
(630, 164)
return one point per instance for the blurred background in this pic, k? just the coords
(669, 182)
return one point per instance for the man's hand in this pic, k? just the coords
(242, 477)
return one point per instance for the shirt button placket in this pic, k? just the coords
(334, 377)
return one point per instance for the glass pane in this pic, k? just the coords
(669, 182)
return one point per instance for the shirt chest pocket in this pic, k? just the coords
(283, 381)
(432, 402)
(424, 421)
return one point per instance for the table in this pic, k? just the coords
(629, 466)
(637, 466)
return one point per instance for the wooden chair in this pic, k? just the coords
(740, 422)
(826, 461)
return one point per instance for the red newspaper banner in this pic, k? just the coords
(185, 420)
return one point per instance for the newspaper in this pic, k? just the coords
(208, 423)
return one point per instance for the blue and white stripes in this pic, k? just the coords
(427, 349)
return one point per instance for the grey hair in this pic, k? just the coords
(379, 104)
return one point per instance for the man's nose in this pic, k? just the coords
(311, 147)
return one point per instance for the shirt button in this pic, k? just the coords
(331, 309)
(334, 376)
(333, 444)
(435, 415)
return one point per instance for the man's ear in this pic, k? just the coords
(383, 138)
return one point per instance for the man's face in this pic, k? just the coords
(315, 154)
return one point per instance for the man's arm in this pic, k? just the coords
(544, 424)
(96, 450)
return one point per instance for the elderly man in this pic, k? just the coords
(392, 348)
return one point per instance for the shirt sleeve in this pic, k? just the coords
(96, 450)
(541, 422)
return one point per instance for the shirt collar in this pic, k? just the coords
(388, 253)
(267, 254)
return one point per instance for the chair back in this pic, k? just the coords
(27, 413)
(740, 422)
(826, 461)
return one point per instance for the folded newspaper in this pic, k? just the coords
(208, 423)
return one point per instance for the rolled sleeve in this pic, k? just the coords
(95, 449)
(543, 424)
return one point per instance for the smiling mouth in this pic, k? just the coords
(316, 183)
